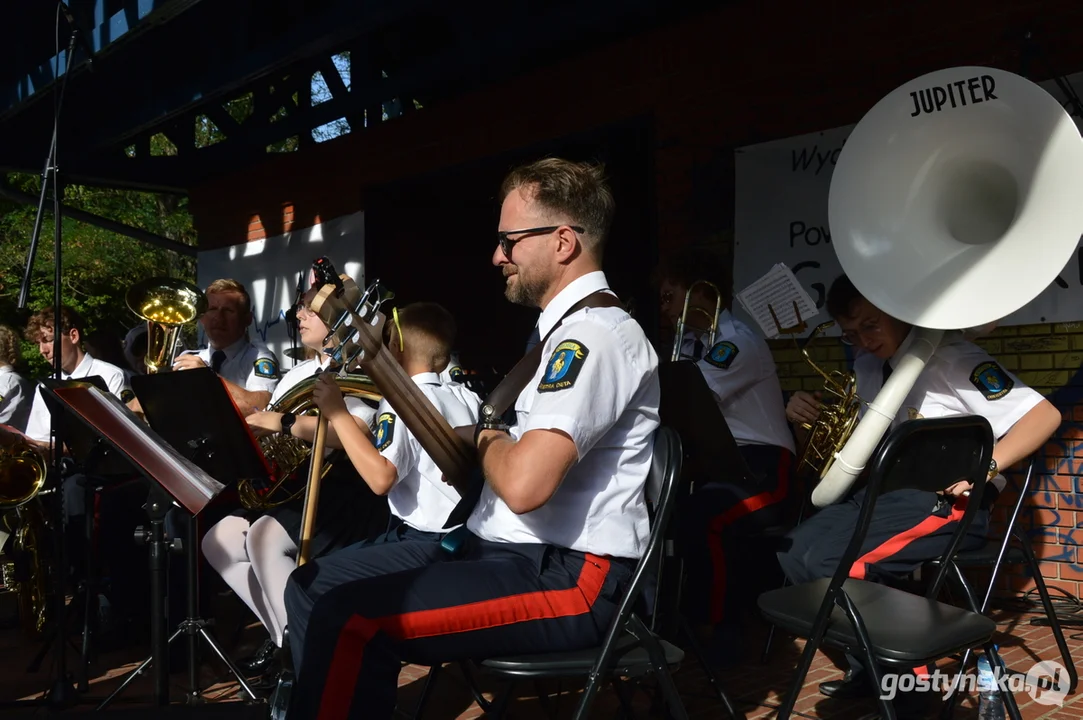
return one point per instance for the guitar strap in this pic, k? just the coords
(502, 397)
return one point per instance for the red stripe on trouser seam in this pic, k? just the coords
(897, 542)
(720, 522)
(539, 605)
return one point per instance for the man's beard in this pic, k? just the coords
(524, 291)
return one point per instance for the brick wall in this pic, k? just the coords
(1048, 358)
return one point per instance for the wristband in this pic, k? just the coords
(288, 419)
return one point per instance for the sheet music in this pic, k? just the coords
(778, 289)
(144, 446)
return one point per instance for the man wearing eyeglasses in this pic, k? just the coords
(561, 517)
(910, 527)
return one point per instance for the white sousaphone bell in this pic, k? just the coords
(955, 201)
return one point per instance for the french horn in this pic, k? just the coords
(286, 453)
(954, 203)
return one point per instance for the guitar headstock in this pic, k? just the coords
(358, 325)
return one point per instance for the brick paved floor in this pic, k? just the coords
(754, 687)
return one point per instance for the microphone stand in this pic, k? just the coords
(62, 694)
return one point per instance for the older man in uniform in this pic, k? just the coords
(562, 516)
(249, 370)
(910, 527)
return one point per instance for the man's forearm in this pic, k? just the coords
(247, 401)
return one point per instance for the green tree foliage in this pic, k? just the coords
(98, 266)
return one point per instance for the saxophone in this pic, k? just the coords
(287, 453)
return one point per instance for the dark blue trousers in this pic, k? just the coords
(362, 612)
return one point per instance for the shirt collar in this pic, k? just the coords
(6, 369)
(233, 349)
(575, 291)
(83, 368)
(725, 328)
(903, 347)
(426, 378)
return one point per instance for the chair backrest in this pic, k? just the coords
(688, 406)
(665, 474)
(926, 454)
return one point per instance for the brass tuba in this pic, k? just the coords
(22, 475)
(683, 319)
(287, 453)
(166, 304)
(22, 471)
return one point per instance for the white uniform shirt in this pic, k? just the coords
(302, 371)
(419, 496)
(598, 383)
(249, 365)
(453, 372)
(741, 372)
(39, 424)
(959, 379)
(16, 398)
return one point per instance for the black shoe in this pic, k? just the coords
(849, 688)
(260, 661)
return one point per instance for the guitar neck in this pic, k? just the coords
(452, 454)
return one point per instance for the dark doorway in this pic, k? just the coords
(432, 238)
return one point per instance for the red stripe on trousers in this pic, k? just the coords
(720, 522)
(896, 543)
(539, 605)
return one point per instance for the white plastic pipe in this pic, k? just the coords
(850, 461)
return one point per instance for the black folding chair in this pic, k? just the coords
(630, 649)
(864, 617)
(1013, 549)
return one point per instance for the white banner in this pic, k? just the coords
(269, 269)
(781, 198)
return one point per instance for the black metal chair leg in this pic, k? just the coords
(1009, 697)
(1051, 613)
(430, 679)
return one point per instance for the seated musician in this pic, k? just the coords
(75, 363)
(562, 512)
(393, 463)
(16, 392)
(250, 370)
(740, 372)
(911, 527)
(255, 553)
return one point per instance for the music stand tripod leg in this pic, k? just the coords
(157, 507)
(194, 625)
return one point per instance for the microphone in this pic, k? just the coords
(78, 30)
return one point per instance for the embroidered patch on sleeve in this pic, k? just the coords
(456, 373)
(126, 396)
(385, 431)
(991, 380)
(722, 354)
(266, 367)
(564, 366)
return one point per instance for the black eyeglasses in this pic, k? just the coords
(507, 243)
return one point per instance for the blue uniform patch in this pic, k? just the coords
(564, 366)
(266, 367)
(126, 396)
(991, 380)
(722, 354)
(456, 373)
(385, 431)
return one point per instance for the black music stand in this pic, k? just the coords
(174, 480)
(94, 458)
(193, 412)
